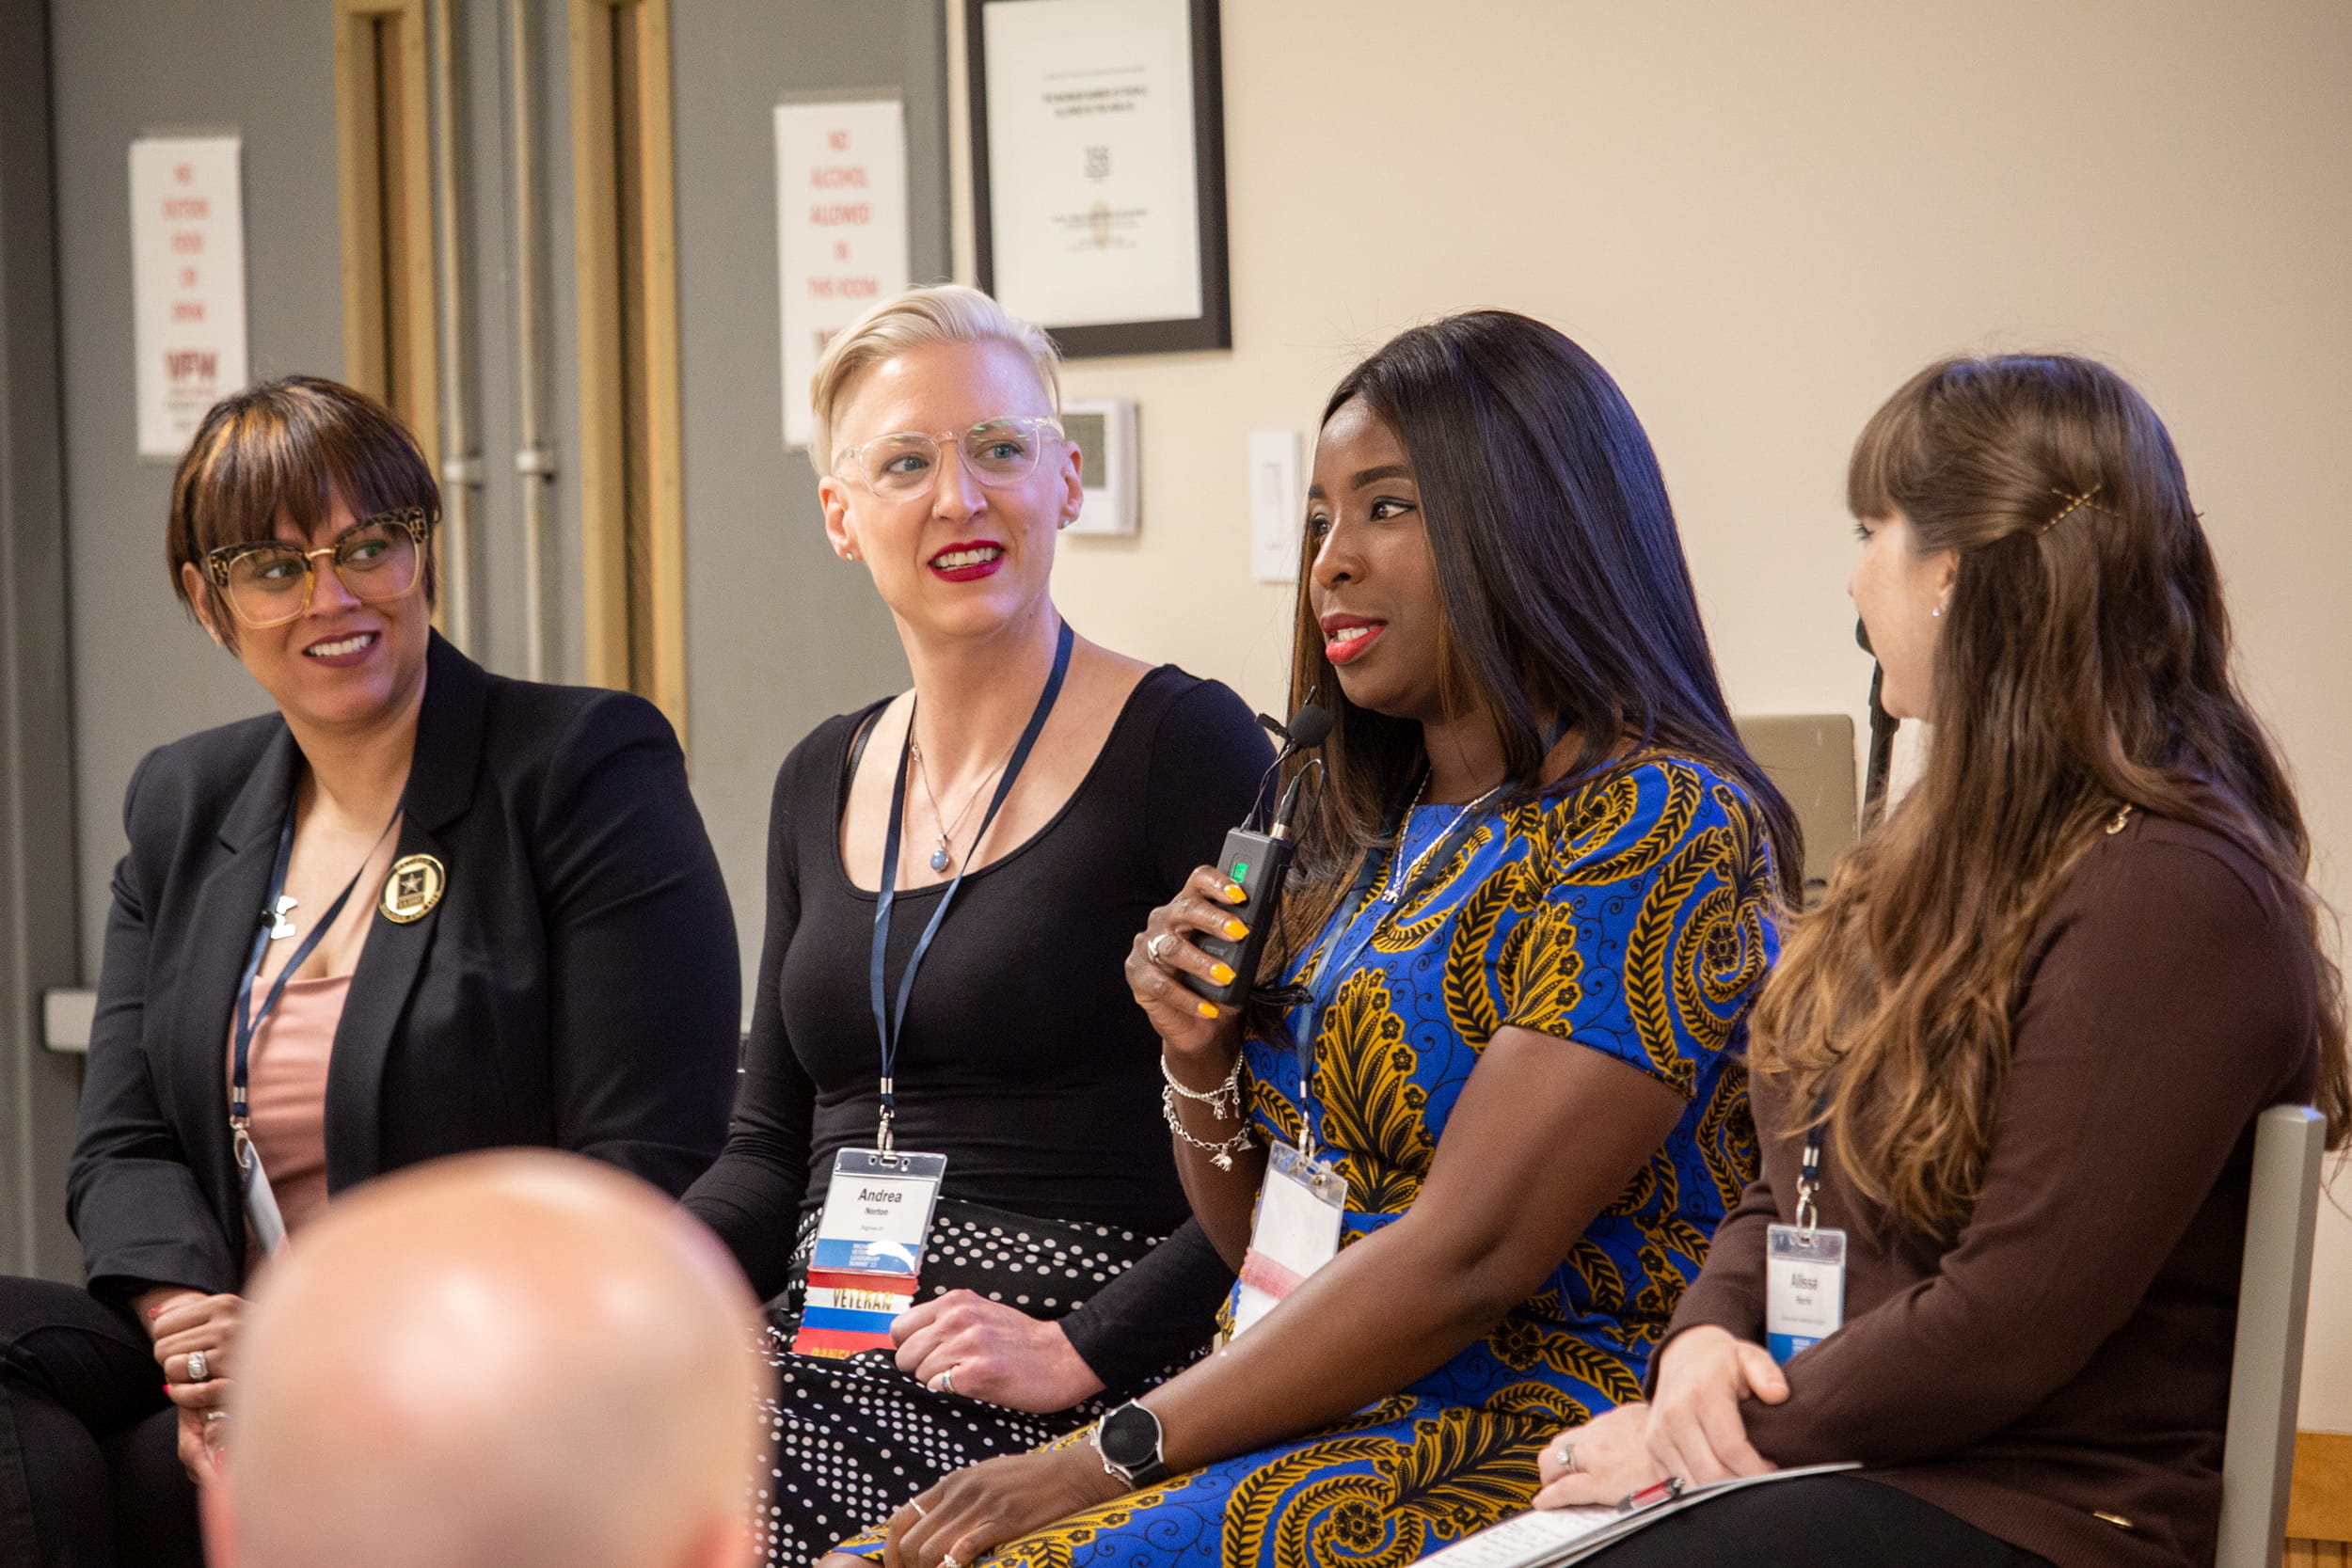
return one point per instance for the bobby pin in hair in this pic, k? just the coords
(2071, 502)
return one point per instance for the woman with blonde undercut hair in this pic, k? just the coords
(955, 874)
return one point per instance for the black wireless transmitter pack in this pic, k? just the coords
(1256, 862)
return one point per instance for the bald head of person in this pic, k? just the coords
(495, 1361)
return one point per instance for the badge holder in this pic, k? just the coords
(1804, 1269)
(869, 1248)
(261, 1202)
(1296, 1231)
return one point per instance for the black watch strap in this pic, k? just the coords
(1128, 1442)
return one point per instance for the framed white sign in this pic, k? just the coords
(1099, 170)
(187, 284)
(841, 229)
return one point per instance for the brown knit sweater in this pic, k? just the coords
(2067, 1353)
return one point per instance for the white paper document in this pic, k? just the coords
(841, 229)
(1552, 1538)
(187, 284)
(1094, 209)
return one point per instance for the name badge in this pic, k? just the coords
(1805, 1288)
(1296, 1231)
(870, 1250)
(261, 1200)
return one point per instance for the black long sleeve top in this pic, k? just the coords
(1022, 1056)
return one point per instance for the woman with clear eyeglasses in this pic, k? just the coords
(1021, 810)
(416, 909)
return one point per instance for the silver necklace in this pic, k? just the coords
(938, 856)
(1393, 886)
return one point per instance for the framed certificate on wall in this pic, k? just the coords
(1098, 170)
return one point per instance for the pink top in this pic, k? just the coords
(286, 1093)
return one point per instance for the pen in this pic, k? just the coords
(1665, 1490)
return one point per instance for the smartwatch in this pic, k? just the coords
(1128, 1441)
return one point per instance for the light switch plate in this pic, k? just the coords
(1277, 502)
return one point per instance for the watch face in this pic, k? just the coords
(1131, 1436)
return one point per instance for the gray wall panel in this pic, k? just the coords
(781, 634)
(143, 674)
(38, 1089)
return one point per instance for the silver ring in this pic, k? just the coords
(949, 1561)
(944, 1383)
(211, 1416)
(1151, 948)
(1566, 1455)
(920, 1512)
(199, 1370)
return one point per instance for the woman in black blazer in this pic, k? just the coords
(536, 948)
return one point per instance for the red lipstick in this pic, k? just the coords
(967, 561)
(1347, 637)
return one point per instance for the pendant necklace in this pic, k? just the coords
(938, 856)
(1393, 886)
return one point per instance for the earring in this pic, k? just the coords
(1937, 610)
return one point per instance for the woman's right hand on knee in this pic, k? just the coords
(1189, 1025)
(1695, 1429)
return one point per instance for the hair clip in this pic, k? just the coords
(2071, 502)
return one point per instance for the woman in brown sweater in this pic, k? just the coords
(2029, 1030)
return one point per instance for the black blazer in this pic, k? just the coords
(575, 987)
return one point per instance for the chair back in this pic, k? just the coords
(2266, 1368)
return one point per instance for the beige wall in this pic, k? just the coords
(1762, 219)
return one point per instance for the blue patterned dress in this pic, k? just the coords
(1631, 915)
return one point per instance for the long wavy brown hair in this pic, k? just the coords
(2082, 667)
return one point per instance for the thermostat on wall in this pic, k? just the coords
(1104, 431)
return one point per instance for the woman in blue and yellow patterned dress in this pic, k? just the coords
(1534, 893)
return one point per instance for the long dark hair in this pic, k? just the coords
(1563, 581)
(2083, 667)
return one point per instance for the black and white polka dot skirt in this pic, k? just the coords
(850, 1440)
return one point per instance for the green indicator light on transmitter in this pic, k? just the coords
(1240, 869)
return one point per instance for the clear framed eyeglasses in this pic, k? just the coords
(906, 463)
(268, 582)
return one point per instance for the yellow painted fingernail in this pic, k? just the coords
(1221, 973)
(1233, 894)
(1208, 1009)
(1236, 931)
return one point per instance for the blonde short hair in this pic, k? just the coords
(940, 314)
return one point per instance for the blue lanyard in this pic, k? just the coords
(248, 1021)
(1338, 962)
(886, 1019)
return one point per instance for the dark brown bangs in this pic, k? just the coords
(1891, 457)
(291, 449)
